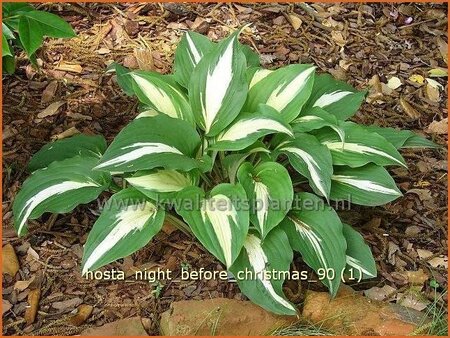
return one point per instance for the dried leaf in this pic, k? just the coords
(144, 58)
(23, 284)
(69, 67)
(6, 306)
(409, 110)
(10, 262)
(67, 304)
(295, 21)
(379, 294)
(417, 78)
(51, 110)
(33, 302)
(394, 82)
(432, 93)
(438, 127)
(443, 48)
(338, 38)
(83, 313)
(49, 92)
(413, 301)
(66, 133)
(438, 72)
(418, 277)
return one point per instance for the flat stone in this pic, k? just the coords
(350, 313)
(124, 327)
(222, 317)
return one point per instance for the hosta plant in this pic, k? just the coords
(250, 159)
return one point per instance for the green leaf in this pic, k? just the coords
(163, 94)
(190, 50)
(311, 159)
(336, 97)
(124, 81)
(261, 258)
(360, 147)
(269, 190)
(360, 262)
(30, 34)
(315, 230)
(286, 89)
(8, 64)
(220, 221)
(14, 8)
(6, 51)
(9, 35)
(50, 24)
(256, 74)
(150, 142)
(402, 138)
(218, 86)
(368, 185)
(251, 56)
(317, 118)
(59, 188)
(163, 183)
(83, 145)
(249, 127)
(128, 222)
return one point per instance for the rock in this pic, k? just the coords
(222, 317)
(350, 313)
(124, 327)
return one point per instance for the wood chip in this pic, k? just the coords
(10, 262)
(33, 302)
(438, 127)
(83, 313)
(69, 67)
(295, 21)
(144, 58)
(51, 110)
(49, 92)
(6, 306)
(409, 110)
(23, 284)
(69, 304)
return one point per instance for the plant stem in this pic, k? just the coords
(179, 224)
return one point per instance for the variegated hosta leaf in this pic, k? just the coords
(368, 185)
(251, 56)
(256, 74)
(248, 128)
(336, 97)
(58, 188)
(233, 161)
(190, 50)
(150, 142)
(360, 147)
(84, 145)
(262, 258)
(147, 112)
(402, 138)
(162, 93)
(360, 262)
(124, 80)
(162, 182)
(286, 89)
(317, 118)
(220, 221)
(311, 159)
(218, 86)
(315, 230)
(269, 190)
(127, 223)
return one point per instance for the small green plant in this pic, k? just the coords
(212, 144)
(24, 27)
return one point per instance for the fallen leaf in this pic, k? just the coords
(379, 294)
(66, 133)
(49, 92)
(439, 262)
(438, 72)
(23, 284)
(83, 313)
(33, 302)
(338, 38)
(394, 82)
(413, 301)
(10, 262)
(103, 51)
(51, 110)
(434, 83)
(417, 78)
(67, 304)
(418, 277)
(6, 306)
(443, 48)
(424, 194)
(408, 109)
(295, 21)
(69, 67)
(144, 58)
(438, 127)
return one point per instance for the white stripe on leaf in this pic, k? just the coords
(159, 98)
(365, 185)
(128, 221)
(353, 262)
(360, 149)
(330, 98)
(258, 76)
(148, 113)
(218, 80)
(144, 148)
(45, 194)
(309, 235)
(313, 167)
(161, 181)
(194, 54)
(258, 260)
(246, 127)
(262, 197)
(286, 92)
(219, 211)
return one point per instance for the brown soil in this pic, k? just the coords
(365, 45)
